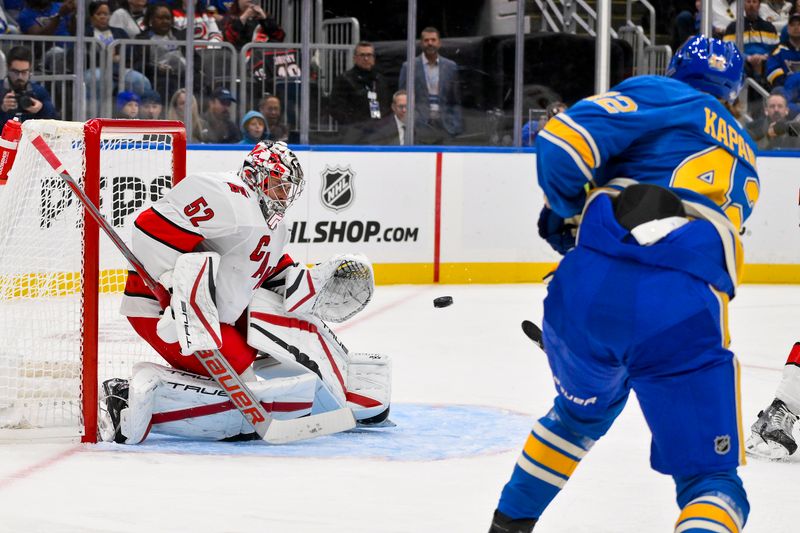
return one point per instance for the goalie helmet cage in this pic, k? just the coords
(61, 278)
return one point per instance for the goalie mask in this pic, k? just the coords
(273, 171)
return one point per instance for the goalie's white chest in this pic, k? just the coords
(248, 257)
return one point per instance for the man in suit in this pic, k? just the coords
(436, 86)
(392, 129)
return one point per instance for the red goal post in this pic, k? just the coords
(61, 278)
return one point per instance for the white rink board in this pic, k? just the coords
(489, 206)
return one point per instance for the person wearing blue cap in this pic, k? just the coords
(127, 105)
(221, 128)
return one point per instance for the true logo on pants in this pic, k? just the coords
(722, 444)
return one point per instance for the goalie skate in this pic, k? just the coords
(772, 436)
(112, 402)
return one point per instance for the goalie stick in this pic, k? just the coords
(270, 430)
(533, 332)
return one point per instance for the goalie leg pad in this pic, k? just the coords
(178, 403)
(290, 340)
(369, 385)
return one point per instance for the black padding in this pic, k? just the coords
(642, 203)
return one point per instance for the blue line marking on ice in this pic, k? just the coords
(424, 432)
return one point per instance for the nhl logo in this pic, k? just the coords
(722, 444)
(337, 188)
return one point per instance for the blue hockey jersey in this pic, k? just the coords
(653, 130)
(659, 131)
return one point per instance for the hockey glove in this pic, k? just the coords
(558, 233)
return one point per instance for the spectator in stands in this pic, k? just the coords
(175, 112)
(785, 59)
(44, 17)
(127, 105)
(686, 25)
(775, 12)
(151, 107)
(531, 128)
(760, 38)
(205, 25)
(392, 129)
(270, 107)
(360, 97)
(794, 8)
(437, 89)
(254, 128)
(23, 98)
(723, 12)
(774, 131)
(129, 17)
(97, 26)
(247, 22)
(221, 129)
(164, 64)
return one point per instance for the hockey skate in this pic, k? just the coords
(503, 524)
(772, 433)
(114, 399)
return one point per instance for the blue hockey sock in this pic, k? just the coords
(549, 457)
(711, 502)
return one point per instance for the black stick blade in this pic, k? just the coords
(533, 332)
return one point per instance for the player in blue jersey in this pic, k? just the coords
(661, 178)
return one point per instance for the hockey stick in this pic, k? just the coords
(533, 332)
(270, 430)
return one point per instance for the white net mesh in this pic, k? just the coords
(41, 265)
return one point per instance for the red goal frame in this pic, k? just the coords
(92, 135)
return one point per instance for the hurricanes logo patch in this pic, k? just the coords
(722, 444)
(337, 188)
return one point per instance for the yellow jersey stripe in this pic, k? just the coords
(574, 138)
(557, 442)
(565, 118)
(576, 157)
(719, 502)
(707, 511)
(552, 459)
(540, 473)
(774, 74)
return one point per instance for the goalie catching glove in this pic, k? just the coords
(332, 291)
(192, 318)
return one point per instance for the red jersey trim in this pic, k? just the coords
(161, 229)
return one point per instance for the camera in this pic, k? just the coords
(782, 127)
(24, 99)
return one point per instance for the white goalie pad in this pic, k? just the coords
(333, 291)
(173, 402)
(292, 344)
(193, 307)
(369, 384)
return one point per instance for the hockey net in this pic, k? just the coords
(61, 279)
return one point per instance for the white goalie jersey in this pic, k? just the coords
(207, 212)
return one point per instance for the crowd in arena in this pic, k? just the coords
(365, 104)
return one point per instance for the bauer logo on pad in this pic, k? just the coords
(337, 188)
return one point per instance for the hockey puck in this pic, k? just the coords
(443, 301)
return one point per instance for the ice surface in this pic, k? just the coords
(467, 385)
